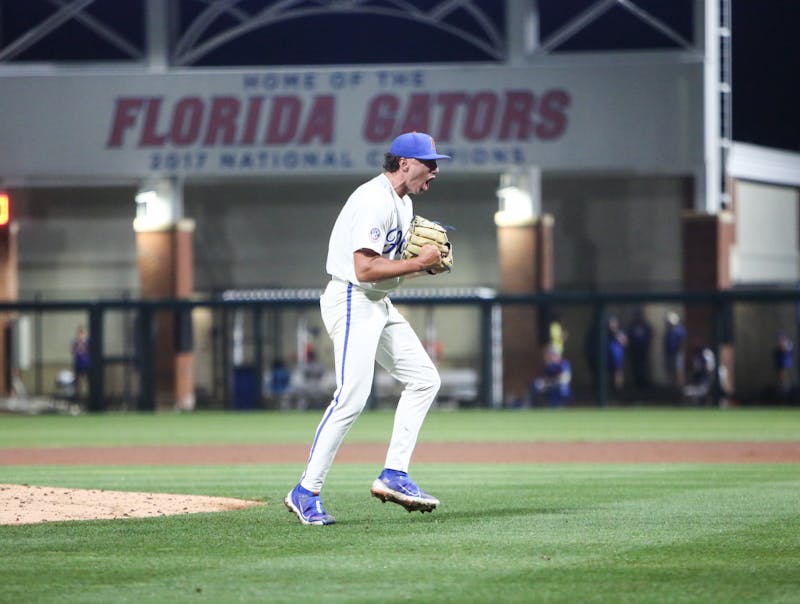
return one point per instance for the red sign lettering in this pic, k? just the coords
(221, 120)
(481, 111)
(254, 105)
(554, 105)
(512, 115)
(516, 122)
(449, 102)
(283, 120)
(320, 121)
(149, 136)
(186, 121)
(381, 115)
(417, 115)
(489, 115)
(125, 114)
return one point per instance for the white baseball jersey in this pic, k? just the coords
(374, 217)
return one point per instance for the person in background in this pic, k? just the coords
(783, 362)
(702, 368)
(591, 340)
(617, 342)
(640, 335)
(557, 334)
(554, 386)
(280, 380)
(81, 361)
(674, 355)
(309, 391)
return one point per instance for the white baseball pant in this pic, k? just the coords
(365, 328)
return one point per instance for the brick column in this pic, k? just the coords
(526, 267)
(9, 292)
(165, 262)
(707, 242)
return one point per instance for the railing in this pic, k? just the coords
(489, 302)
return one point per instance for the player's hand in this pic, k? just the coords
(429, 256)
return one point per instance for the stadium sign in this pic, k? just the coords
(306, 121)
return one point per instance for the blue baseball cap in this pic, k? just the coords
(417, 145)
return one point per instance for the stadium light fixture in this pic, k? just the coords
(158, 205)
(5, 208)
(519, 198)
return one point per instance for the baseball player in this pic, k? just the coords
(365, 264)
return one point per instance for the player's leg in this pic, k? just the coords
(402, 355)
(354, 324)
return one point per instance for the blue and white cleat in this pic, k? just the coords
(397, 487)
(307, 506)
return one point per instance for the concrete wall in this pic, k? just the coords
(767, 246)
(76, 243)
(617, 232)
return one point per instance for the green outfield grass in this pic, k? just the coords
(374, 426)
(504, 533)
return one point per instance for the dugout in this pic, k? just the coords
(182, 162)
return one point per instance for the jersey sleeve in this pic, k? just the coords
(373, 224)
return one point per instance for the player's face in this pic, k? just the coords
(421, 173)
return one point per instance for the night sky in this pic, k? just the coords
(766, 73)
(766, 46)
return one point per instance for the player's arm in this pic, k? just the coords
(371, 266)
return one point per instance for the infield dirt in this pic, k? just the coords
(25, 504)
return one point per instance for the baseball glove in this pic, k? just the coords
(424, 231)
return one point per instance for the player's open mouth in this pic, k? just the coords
(426, 185)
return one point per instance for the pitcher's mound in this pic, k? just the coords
(24, 504)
